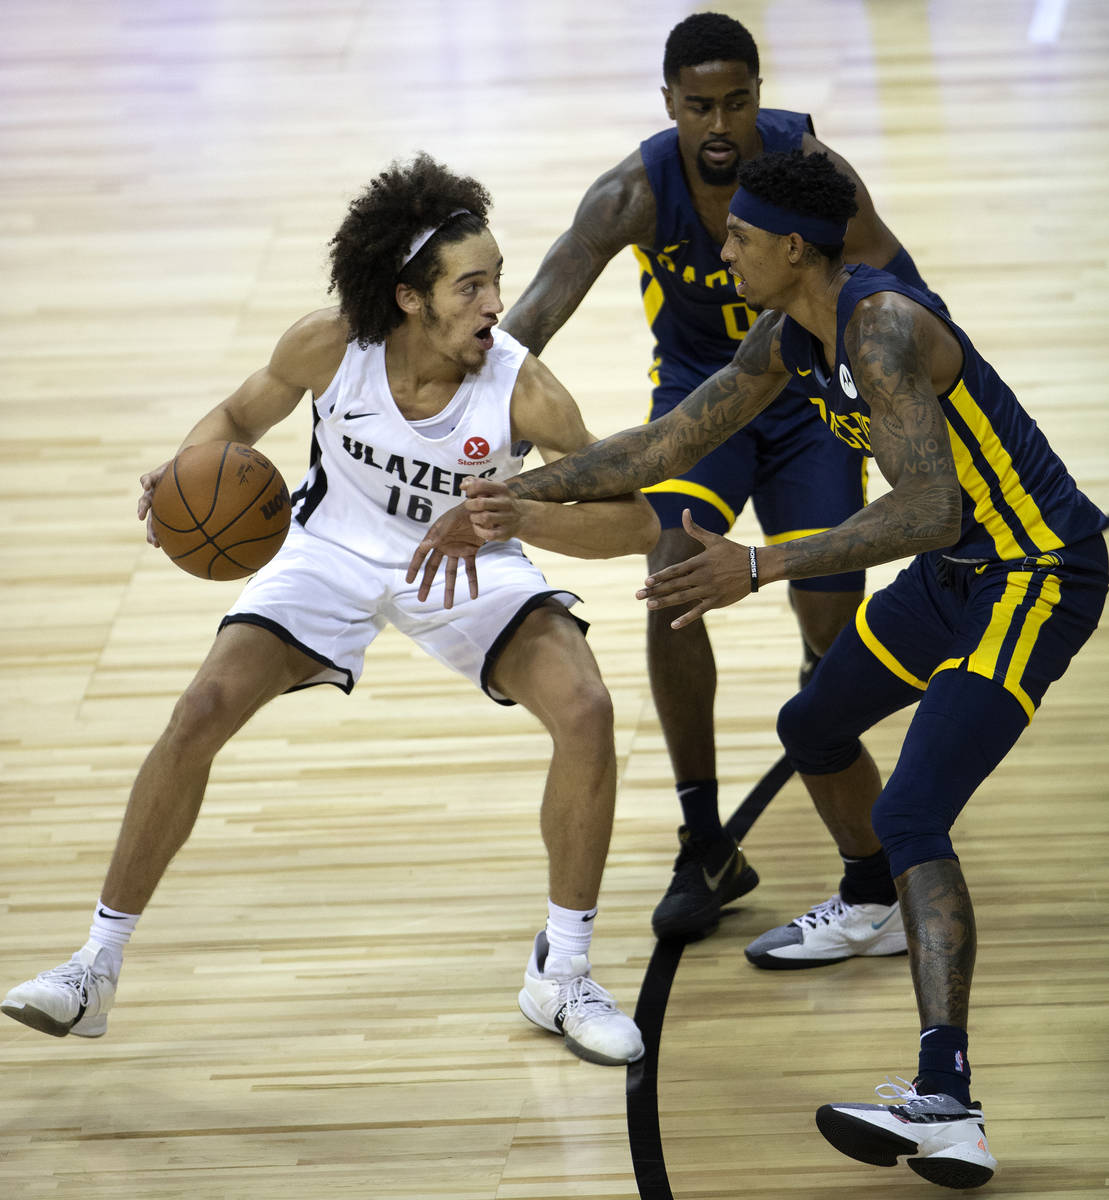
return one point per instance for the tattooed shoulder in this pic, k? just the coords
(760, 350)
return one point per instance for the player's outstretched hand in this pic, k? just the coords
(452, 537)
(148, 483)
(496, 513)
(720, 575)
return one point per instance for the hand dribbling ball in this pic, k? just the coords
(221, 510)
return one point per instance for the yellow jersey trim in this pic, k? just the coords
(653, 297)
(1023, 506)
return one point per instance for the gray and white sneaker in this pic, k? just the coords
(945, 1140)
(559, 995)
(829, 933)
(73, 998)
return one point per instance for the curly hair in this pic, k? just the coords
(807, 184)
(708, 37)
(369, 249)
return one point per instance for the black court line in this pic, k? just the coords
(644, 1137)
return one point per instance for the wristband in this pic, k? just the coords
(754, 568)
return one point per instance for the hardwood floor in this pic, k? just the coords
(320, 1001)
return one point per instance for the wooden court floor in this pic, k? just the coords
(320, 1001)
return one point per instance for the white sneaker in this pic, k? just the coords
(72, 998)
(946, 1140)
(559, 995)
(829, 933)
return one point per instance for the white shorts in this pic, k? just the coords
(331, 603)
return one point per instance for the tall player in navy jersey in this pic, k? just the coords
(668, 200)
(1008, 580)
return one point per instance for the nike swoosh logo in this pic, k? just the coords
(879, 924)
(358, 416)
(101, 913)
(803, 373)
(589, 916)
(713, 881)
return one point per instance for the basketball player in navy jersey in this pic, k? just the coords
(1008, 580)
(413, 390)
(668, 200)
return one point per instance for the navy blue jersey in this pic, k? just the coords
(691, 302)
(1018, 499)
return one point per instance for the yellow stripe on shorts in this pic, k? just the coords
(880, 652)
(685, 487)
(1034, 619)
(777, 538)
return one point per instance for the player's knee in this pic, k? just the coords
(910, 830)
(584, 715)
(811, 736)
(204, 717)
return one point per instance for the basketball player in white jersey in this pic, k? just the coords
(413, 390)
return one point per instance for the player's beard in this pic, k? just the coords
(470, 360)
(718, 176)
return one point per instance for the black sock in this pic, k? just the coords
(867, 880)
(944, 1066)
(699, 807)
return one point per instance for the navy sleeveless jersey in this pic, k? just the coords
(1018, 499)
(690, 299)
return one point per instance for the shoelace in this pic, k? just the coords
(587, 998)
(70, 974)
(901, 1091)
(823, 914)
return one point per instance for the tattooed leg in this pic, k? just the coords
(939, 926)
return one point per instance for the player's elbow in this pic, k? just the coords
(647, 527)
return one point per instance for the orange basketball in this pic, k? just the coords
(221, 510)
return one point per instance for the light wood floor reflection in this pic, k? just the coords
(321, 999)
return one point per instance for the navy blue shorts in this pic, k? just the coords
(800, 479)
(1018, 623)
(977, 646)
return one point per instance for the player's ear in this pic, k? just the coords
(668, 100)
(408, 299)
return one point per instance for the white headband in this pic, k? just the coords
(425, 235)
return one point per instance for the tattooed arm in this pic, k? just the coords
(669, 446)
(901, 356)
(618, 210)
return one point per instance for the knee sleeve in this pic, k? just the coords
(964, 727)
(849, 692)
(813, 739)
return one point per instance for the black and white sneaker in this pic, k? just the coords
(945, 1140)
(708, 873)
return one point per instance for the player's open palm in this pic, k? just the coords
(148, 483)
(451, 537)
(718, 576)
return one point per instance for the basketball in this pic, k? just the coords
(221, 510)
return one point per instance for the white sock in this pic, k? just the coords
(569, 930)
(110, 931)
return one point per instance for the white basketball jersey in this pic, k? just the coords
(375, 482)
